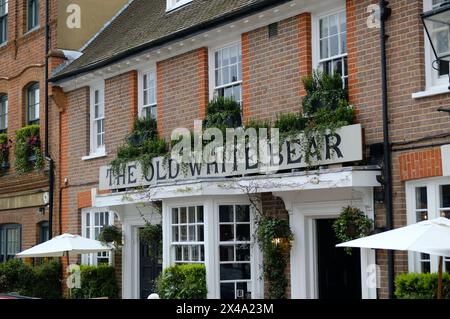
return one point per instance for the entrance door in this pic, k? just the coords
(339, 273)
(150, 268)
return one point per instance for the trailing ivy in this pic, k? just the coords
(141, 145)
(352, 224)
(27, 150)
(275, 236)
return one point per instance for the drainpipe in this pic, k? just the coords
(387, 167)
(51, 163)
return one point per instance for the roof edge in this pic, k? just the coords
(254, 8)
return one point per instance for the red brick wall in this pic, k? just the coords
(181, 91)
(271, 69)
(421, 164)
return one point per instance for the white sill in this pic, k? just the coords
(96, 155)
(431, 91)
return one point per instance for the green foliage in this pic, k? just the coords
(96, 282)
(42, 281)
(275, 237)
(290, 124)
(183, 282)
(352, 224)
(421, 286)
(142, 145)
(5, 145)
(150, 234)
(323, 91)
(111, 234)
(223, 113)
(28, 144)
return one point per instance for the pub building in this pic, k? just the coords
(167, 59)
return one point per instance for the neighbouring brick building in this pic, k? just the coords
(24, 197)
(163, 58)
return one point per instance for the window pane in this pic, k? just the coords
(324, 48)
(227, 253)
(323, 25)
(174, 215)
(243, 253)
(200, 233)
(333, 24)
(445, 196)
(243, 232)
(183, 215)
(191, 215)
(226, 233)
(227, 291)
(242, 213)
(334, 45)
(234, 271)
(226, 213)
(183, 233)
(199, 214)
(421, 198)
(192, 233)
(175, 234)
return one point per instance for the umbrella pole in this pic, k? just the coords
(441, 262)
(68, 263)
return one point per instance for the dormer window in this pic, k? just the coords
(173, 4)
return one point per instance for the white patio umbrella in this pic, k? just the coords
(65, 244)
(430, 237)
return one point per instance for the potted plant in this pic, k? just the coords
(111, 234)
(5, 145)
(352, 224)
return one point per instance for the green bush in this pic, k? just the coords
(28, 144)
(97, 281)
(421, 286)
(323, 91)
(223, 113)
(183, 282)
(142, 145)
(42, 281)
(290, 124)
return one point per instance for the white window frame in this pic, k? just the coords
(316, 60)
(91, 259)
(4, 17)
(434, 211)
(434, 82)
(253, 272)
(174, 244)
(211, 222)
(5, 115)
(212, 67)
(174, 4)
(152, 106)
(35, 89)
(96, 150)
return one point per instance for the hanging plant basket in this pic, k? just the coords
(111, 234)
(352, 224)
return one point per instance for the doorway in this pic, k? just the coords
(339, 273)
(150, 266)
